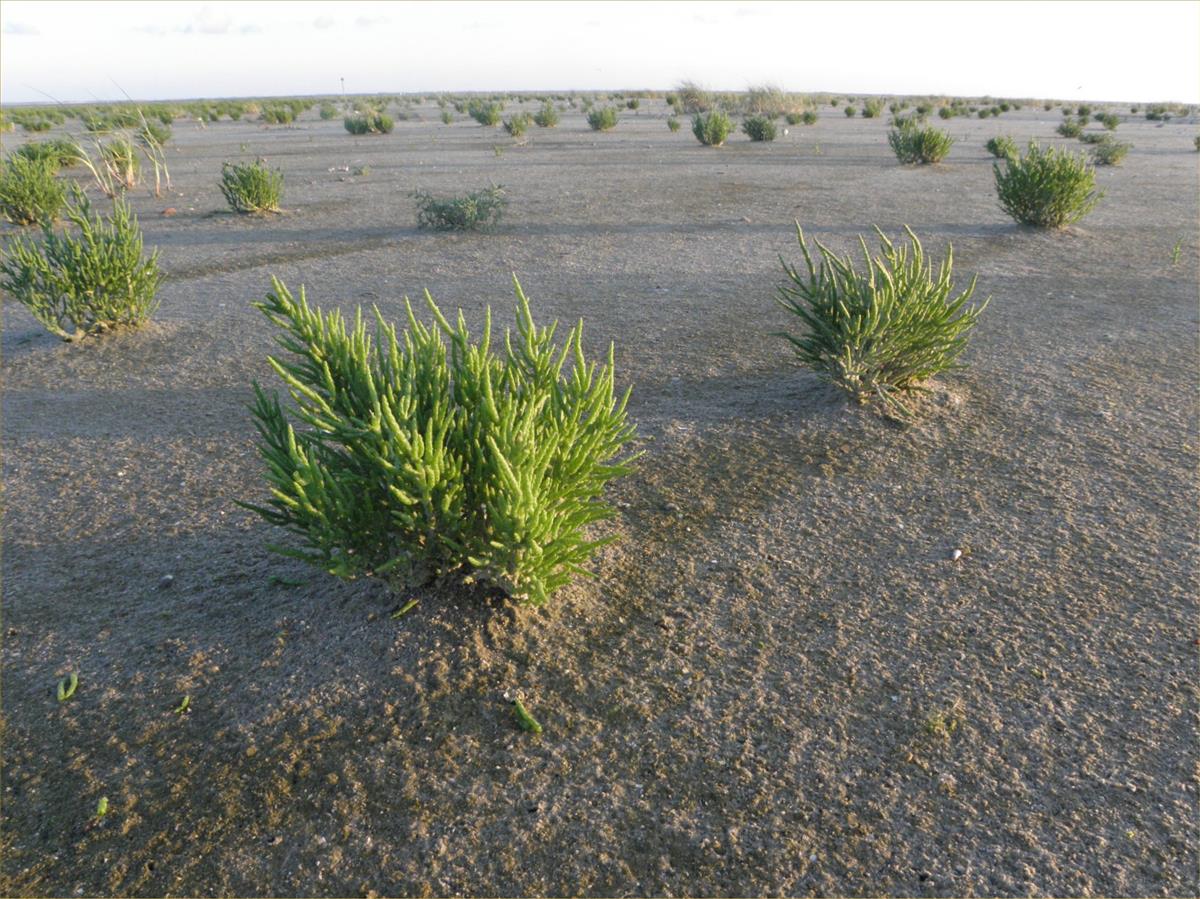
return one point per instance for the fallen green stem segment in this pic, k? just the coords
(526, 720)
(182, 707)
(406, 608)
(102, 807)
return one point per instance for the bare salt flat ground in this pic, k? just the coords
(778, 682)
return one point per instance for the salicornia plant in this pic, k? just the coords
(89, 283)
(882, 331)
(250, 188)
(424, 454)
(1046, 188)
(29, 191)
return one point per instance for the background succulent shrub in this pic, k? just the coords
(428, 455)
(1109, 152)
(251, 188)
(369, 123)
(872, 109)
(516, 125)
(913, 144)
(29, 192)
(673, 124)
(712, 128)
(1110, 120)
(882, 331)
(808, 117)
(487, 114)
(1197, 142)
(1046, 188)
(472, 212)
(945, 112)
(59, 152)
(277, 114)
(1002, 146)
(850, 112)
(1094, 137)
(602, 118)
(327, 112)
(793, 118)
(91, 282)
(1069, 128)
(759, 128)
(547, 116)
(153, 133)
(633, 104)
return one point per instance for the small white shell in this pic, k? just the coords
(956, 555)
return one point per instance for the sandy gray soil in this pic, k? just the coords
(778, 683)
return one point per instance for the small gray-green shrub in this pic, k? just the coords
(472, 212)
(759, 128)
(1110, 120)
(152, 133)
(1046, 188)
(516, 125)
(327, 112)
(1002, 146)
(447, 117)
(632, 104)
(369, 123)
(602, 118)
(882, 331)
(1069, 128)
(487, 114)
(547, 116)
(808, 117)
(93, 282)
(29, 192)
(277, 114)
(914, 145)
(428, 455)
(850, 112)
(251, 188)
(1109, 152)
(872, 109)
(673, 124)
(711, 128)
(792, 118)
(60, 152)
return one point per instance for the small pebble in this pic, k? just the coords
(956, 555)
(166, 581)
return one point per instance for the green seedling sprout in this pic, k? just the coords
(66, 686)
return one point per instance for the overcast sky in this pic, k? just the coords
(86, 51)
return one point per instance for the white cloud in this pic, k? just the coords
(369, 21)
(323, 22)
(19, 28)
